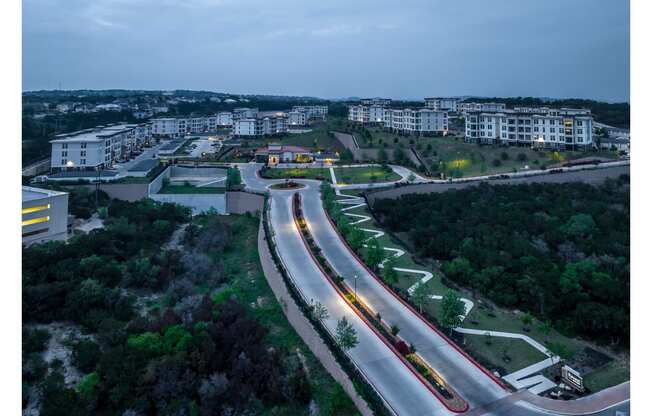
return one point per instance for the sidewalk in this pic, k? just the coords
(586, 405)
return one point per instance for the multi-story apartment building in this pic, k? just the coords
(180, 126)
(442, 104)
(312, 111)
(224, 119)
(260, 126)
(422, 121)
(297, 118)
(165, 127)
(244, 112)
(367, 113)
(376, 101)
(538, 127)
(89, 149)
(44, 215)
(467, 107)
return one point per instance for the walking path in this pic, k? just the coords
(519, 379)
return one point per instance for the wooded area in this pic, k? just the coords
(182, 352)
(560, 252)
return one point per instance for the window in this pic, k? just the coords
(64, 145)
(82, 153)
(83, 145)
(64, 161)
(82, 161)
(64, 154)
(35, 220)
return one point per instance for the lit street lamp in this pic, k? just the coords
(355, 286)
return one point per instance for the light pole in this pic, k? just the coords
(355, 287)
(97, 185)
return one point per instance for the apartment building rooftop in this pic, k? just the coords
(31, 193)
(91, 135)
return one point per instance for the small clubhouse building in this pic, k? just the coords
(276, 153)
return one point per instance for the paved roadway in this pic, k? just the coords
(405, 394)
(463, 375)
(396, 383)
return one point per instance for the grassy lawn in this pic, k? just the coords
(365, 175)
(248, 285)
(456, 158)
(611, 374)
(309, 173)
(510, 354)
(190, 189)
(318, 138)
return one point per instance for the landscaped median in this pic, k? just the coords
(386, 333)
(346, 175)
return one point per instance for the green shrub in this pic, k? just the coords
(147, 342)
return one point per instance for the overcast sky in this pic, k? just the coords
(331, 49)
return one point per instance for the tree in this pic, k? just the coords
(382, 156)
(345, 334)
(374, 254)
(527, 319)
(346, 156)
(451, 310)
(459, 269)
(545, 328)
(580, 225)
(140, 272)
(233, 177)
(389, 274)
(319, 311)
(355, 238)
(85, 355)
(420, 295)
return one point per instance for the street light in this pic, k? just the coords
(355, 287)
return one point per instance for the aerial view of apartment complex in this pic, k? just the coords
(325, 209)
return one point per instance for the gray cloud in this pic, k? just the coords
(407, 49)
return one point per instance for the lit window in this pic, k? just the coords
(35, 208)
(36, 221)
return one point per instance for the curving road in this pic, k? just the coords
(405, 394)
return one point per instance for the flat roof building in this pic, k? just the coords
(441, 104)
(540, 127)
(44, 215)
(90, 149)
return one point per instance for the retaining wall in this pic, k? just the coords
(197, 202)
(243, 202)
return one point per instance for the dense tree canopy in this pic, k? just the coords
(192, 355)
(558, 251)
